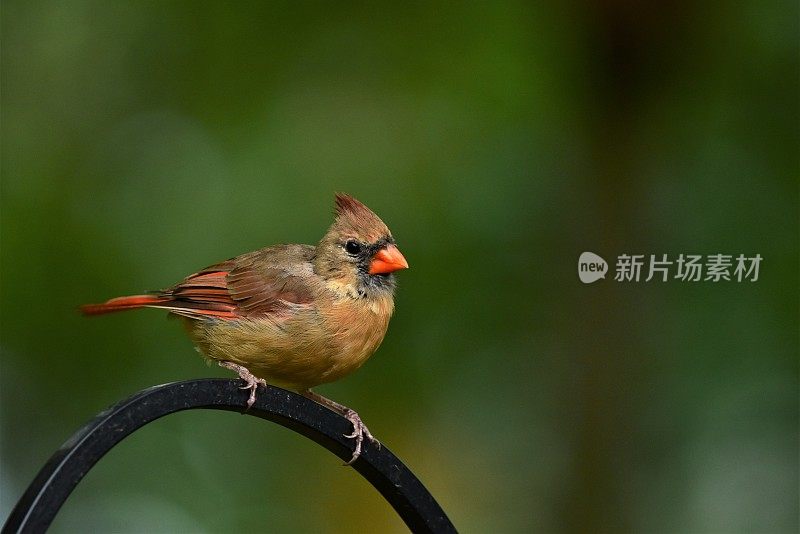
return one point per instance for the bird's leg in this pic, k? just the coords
(360, 430)
(251, 381)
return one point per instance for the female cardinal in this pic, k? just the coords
(292, 315)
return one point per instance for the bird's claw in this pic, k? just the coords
(251, 381)
(360, 431)
(252, 385)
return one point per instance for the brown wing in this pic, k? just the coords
(271, 282)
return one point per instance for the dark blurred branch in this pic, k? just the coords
(630, 55)
(65, 469)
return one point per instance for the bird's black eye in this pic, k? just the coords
(352, 246)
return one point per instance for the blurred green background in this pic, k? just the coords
(144, 140)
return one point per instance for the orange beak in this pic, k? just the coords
(387, 260)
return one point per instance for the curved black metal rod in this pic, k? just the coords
(41, 501)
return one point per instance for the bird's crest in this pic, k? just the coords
(354, 217)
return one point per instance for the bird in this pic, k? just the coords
(290, 315)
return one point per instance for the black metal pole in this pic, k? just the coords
(46, 494)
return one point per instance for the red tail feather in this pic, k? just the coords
(122, 303)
